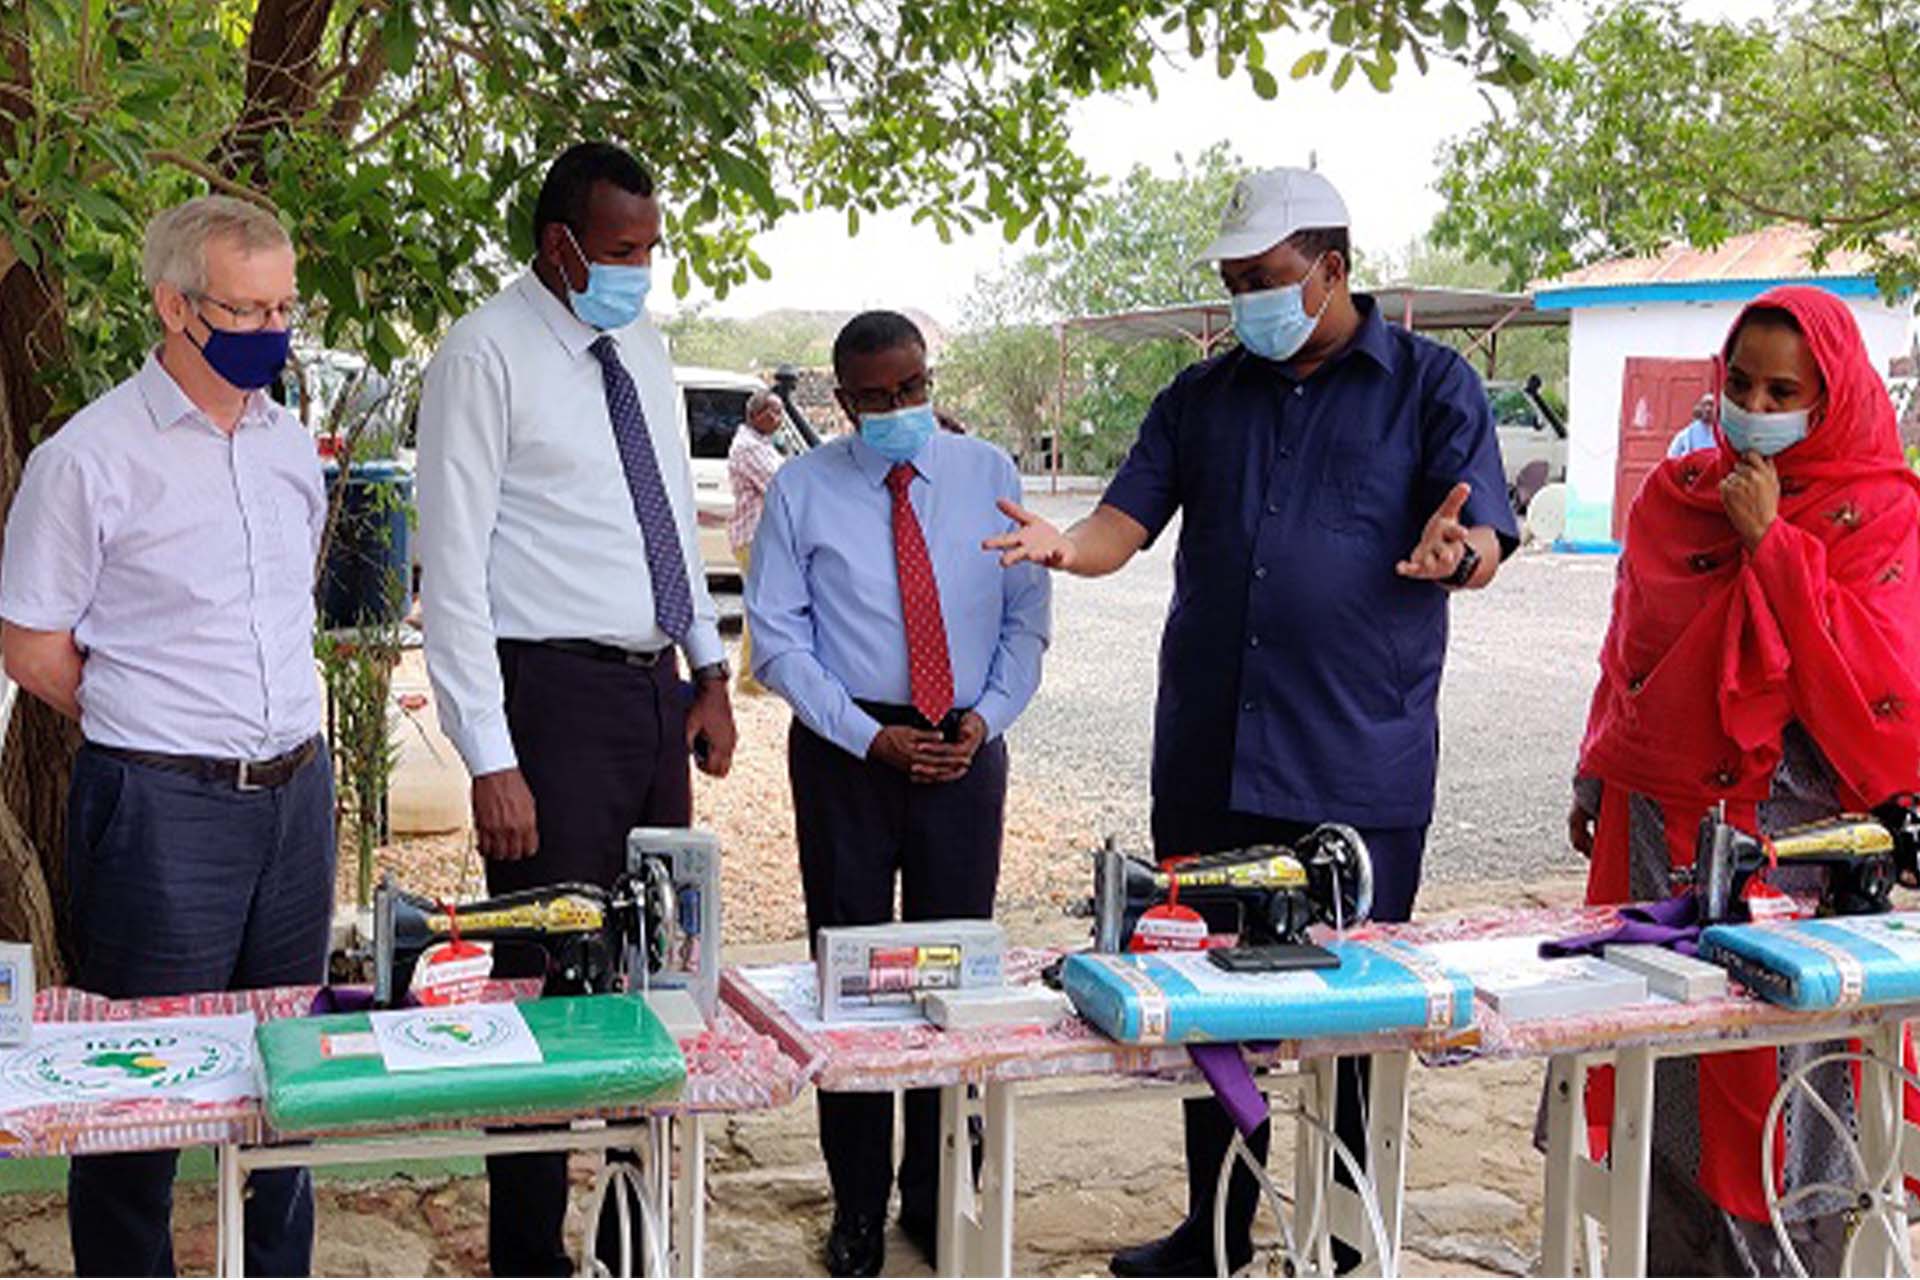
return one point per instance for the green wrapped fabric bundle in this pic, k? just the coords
(327, 1073)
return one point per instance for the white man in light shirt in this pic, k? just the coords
(751, 462)
(560, 580)
(157, 587)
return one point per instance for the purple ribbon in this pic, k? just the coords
(1673, 924)
(1226, 1070)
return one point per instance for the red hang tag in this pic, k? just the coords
(453, 973)
(1764, 902)
(1169, 927)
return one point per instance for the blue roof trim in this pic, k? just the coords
(1627, 295)
(1584, 548)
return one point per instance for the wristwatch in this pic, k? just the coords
(1463, 572)
(711, 672)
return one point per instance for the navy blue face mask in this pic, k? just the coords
(248, 361)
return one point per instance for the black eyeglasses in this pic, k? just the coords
(246, 319)
(884, 399)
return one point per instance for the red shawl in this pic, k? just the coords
(1713, 650)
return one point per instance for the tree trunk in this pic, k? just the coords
(283, 62)
(36, 758)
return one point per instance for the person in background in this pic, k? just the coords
(1337, 479)
(1698, 433)
(751, 462)
(1762, 654)
(157, 587)
(905, 655)
(561, 581)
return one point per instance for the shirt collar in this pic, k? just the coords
(169, 405)
(874, 467)
(569, 330)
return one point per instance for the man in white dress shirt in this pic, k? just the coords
(559, 576)
(158, 588)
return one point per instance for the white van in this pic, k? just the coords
(713, 405)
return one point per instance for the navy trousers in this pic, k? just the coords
(1396, 854)
(178, 886)
(861, 826)
(603, 748)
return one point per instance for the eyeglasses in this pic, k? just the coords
(253, 319)
(882, 399)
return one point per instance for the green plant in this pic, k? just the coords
(357, 668)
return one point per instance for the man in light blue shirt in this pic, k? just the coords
(905, 654)
(1697, 434)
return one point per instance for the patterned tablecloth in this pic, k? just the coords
(882, 1056)
(730, 1067)
(889, 1056)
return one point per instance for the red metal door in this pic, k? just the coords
(1657, 399)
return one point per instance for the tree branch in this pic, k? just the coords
(213, 177)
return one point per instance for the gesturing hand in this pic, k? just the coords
(1442, 543)
(1034, 540)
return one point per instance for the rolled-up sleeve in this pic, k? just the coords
(1459, 443)
(1146, 486)
(462, 451)
(1026, 620)
(52, 560)
(780, 613)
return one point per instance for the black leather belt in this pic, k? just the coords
(894, 715)
(605, 652)
(241, 775)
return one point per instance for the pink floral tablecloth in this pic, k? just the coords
(730, 1067)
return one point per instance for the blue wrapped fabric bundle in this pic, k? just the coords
(1834, 963)
(1178, 997)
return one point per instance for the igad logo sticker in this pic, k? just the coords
(101, 1063)
(456, 1033)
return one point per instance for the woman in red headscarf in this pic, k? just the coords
(1764, 652)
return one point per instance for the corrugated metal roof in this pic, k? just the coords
(1777, 253)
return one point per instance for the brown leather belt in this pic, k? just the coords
(241, 775)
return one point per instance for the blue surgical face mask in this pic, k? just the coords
(899, 435)
(248, 361)
(614, 295)
(1274, 323)
(1763, 433)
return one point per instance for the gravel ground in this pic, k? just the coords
(1518, 677)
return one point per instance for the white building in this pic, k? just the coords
(1644, 333)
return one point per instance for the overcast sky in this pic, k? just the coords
(1379, 149)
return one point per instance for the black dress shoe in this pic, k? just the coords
(918, 1229)
(857, 1244)
(1185, 1251)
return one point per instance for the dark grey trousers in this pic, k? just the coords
(179, 886)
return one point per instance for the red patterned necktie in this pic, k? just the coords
(929, 670)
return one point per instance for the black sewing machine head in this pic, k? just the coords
(1862, 858)
(586, 932)
(1267, 894)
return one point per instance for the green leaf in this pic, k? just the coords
(1263, 82)
(1343, 71)
(400, 37)
(1342, 32)
(1453, 26)
(1308, 63)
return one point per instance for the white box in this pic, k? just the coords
(1557, 988)
(870, 971)
(16, 992)
(1670, 974)
(995, 1006)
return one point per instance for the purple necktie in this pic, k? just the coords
(666, 565)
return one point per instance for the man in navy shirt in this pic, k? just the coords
(1336, 480)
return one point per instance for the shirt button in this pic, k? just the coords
(1260, 571)
(1273, 508)
(1253, 642)
(1246, 706)
(1299, 391)
(1286, 453)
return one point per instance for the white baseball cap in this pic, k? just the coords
(1267, 207)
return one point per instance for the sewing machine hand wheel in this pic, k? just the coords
(1335, 852)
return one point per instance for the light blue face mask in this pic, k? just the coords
(1763, 433)
(899, 435)
(1274, 323)
(614, 295)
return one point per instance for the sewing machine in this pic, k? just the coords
(658, 928)
(1273, 891)
(1862, 856)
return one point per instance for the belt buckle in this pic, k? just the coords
(243, 780)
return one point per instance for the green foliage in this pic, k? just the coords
(404, 144)
(1658, 127)
(1137, 250)
(800, 338)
